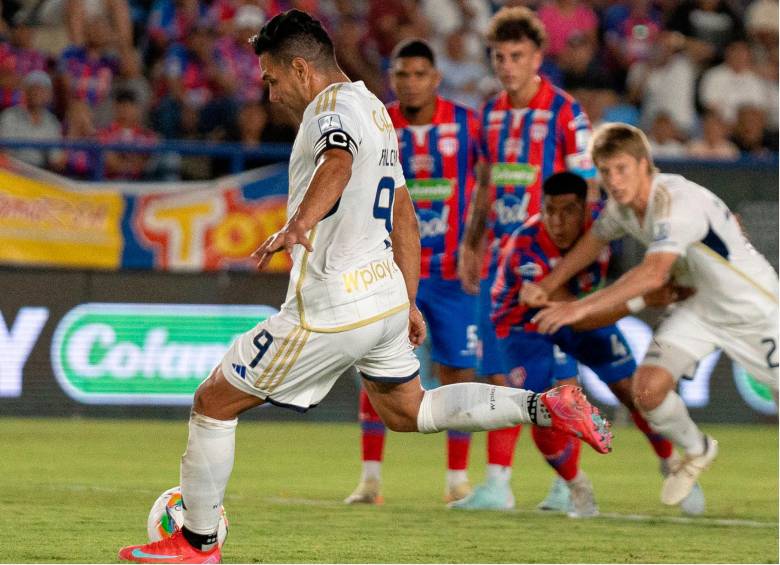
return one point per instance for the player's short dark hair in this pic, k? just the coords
(516, 24)
(565, 183)
(413, 48)
(294, 34)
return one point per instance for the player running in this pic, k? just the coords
(437, 140)
(355, 246)
(692, 237)
(537, 362)
(529, 131)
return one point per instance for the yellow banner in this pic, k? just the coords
(41, 224)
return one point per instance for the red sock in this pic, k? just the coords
(501, 446)
(561, 451)
(458, 450)
(662, 446)
(372, 430)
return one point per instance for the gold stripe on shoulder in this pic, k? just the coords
(333, 98)
(661, 202)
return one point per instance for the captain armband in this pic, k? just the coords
(335, 139)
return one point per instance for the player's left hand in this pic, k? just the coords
(417, 331)
(293, 233)
(558, 314)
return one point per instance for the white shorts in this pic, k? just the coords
(752, 346)
(288, 366)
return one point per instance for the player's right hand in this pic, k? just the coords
(417, 331)
(293, 233)
(533, 295)
(468, 269)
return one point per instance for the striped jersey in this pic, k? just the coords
(438, 162)
(529, 255)
(524, 146)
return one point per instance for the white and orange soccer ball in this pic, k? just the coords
(166, 517)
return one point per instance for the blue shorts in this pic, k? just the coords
(489, 358)
(533, 360)
(449, 312)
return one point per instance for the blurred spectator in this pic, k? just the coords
(87, 72)
(462, 80)
(761, 22)
(356, 53)
(244, 78)
(733, 84)
(195, 79)
(749, 132)
(670, 70)
(131, 78)
(32, 119)
(604, 105)
(712, 24)
(18, 57)
(390, 21)
(127, 127)
(469, 18)
(580, 67)
(630, 30)
(664, 138)
(172, 21)
(563, 18)
(714, 141)
(116, 12)
(79, 126)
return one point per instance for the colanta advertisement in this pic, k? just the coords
(132, 354)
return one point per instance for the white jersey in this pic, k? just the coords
(735, 285)
(350, 279)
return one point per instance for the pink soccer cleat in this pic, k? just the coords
(174, 549)
(571, 413)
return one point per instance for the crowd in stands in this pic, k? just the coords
(699, 76)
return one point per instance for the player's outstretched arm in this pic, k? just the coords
(469, 256)
(650, 275)
(406, 252)
(327, 185)
(588, 248)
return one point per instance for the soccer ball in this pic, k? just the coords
(166, 517)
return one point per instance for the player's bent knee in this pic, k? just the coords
(650, 387)
(216, 398)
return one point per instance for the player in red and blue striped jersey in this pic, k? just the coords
(529, 131)
(536, 361)
(438, 149)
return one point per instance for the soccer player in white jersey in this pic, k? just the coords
(353, 237)
(690, 236)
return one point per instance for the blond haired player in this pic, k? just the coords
(693, 237)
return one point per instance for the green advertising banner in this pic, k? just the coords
(144, 353)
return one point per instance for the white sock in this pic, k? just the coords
(372, 471)
(454, 478)
(498, 473)
(671, 419)
(205, 470)
(471, 407)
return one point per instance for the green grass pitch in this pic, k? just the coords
(77, 490)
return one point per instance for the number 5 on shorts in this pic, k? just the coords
(262, 341)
